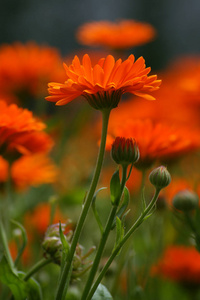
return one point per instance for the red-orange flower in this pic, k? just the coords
(21, 132)
(38, 220)
(28, 68)
(29, 170)
(103, 84)
(33, 170)
(121, 35)
(155, 141)
(180, 264)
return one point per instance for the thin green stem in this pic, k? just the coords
(39, 265)
(125, 238)
(5, 245)
(104, 239)
(85, 208)
(123, 255)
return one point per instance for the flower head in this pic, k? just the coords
(180, 264)
(156, 142)
(27, 68)
(33, 170)
(122, 35)
(124, 151)
(185, 200)
(21, 132)
(104, 84)
(160, 177)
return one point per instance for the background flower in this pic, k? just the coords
(119, 35)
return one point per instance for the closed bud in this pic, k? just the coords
(185, 201)
(125, 151)
(160, 177)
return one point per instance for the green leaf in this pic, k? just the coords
(125, 203)
(65, 247)
(21, 290)
(115, 188)
(95, 210)
(102, 293)
(33, 287)
(123, 207)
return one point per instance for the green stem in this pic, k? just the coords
(40, 264)
(86, 206)
(128, 234)
(123, 255)
(104, 239)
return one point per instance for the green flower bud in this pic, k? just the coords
(125, 151)
(160, 177)
(185, 200)
(52, 245)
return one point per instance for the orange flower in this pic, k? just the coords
(33, 170)
(29, 170)
(155, 141)
(28, 68)
(122, 35)
(180, 264)
(3, 170)
(21, 132)
(104, 84)
(38, 220)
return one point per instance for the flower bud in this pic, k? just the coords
(52, 244)
(185, 200)
(125, 151)
(160, 177)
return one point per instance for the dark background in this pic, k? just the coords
(54, 22)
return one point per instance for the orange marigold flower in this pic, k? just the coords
(33, 170)
(122, 35)
(21, 132)
(155, 141)
(39, 219)
(28, 67)
(104, 84)
(180, 264)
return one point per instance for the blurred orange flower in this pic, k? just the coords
(33, 170)
(155, 141)
(29, 170)
(26, 256)
(122, 35)
(3, 169)
(104, 84)
(180, 264)
(28, 67)
(21, 132)
(39, 219)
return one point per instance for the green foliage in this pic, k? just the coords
(21, 290)
(119, 231)
(102, 293)
(115, 188)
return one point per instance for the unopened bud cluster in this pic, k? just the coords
(125, 151)
(160, 177)
(52, 244)
(52, 247)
